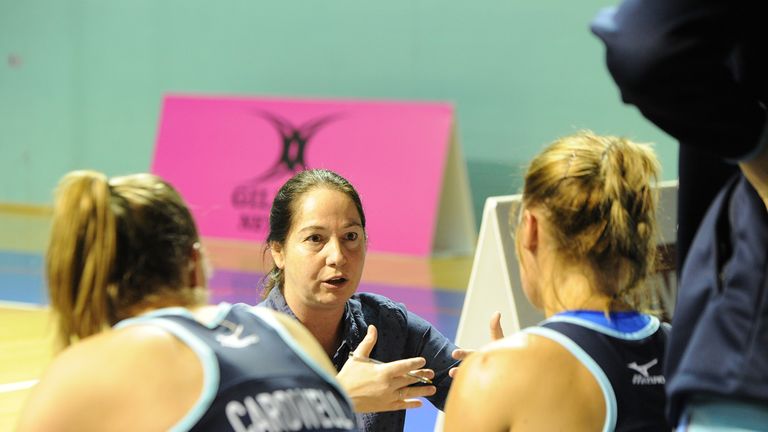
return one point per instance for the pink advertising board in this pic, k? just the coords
(229, 155)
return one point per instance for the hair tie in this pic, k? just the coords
(607, 149)
(570, 162)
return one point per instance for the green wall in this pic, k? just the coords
(81, 81)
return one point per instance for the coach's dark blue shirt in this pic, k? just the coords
(401, 335)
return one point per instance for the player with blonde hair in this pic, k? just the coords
(585, 240)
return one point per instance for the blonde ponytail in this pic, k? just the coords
(117, 246)
(81, 255)
(630, 171)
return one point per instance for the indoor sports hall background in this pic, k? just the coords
(81, 82)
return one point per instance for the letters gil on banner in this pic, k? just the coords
(252, 199)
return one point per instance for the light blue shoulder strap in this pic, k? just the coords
(649, 329)
(205, 354)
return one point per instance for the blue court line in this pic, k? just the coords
(21, 278)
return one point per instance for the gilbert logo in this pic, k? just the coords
(294, 140)
(253, 197)
(644, 377)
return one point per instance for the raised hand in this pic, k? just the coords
(496, 333)
(375, 387)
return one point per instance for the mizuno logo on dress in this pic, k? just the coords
(644, 377)
(643, 369)
(233, 340)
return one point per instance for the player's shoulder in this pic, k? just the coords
(523, 344)
(104, 371)
(524, 351)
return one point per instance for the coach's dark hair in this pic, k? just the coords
(285, 203)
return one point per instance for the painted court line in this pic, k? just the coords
(22, 305)
(16, 386)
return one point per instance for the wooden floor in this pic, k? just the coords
(432, 288)
(25, 350)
